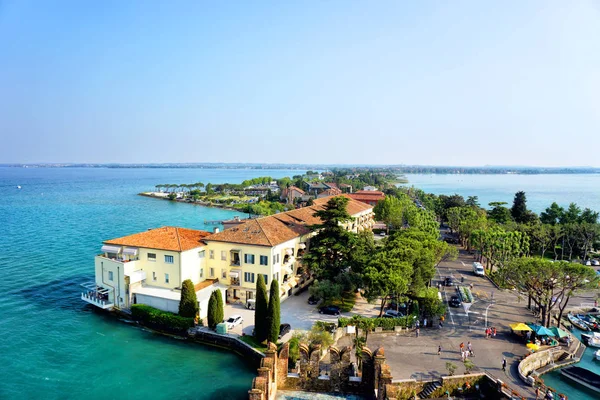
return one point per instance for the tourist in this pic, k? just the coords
(439, 350)
(494, 332)
(504, 364)
(528, 335)
(418, 331)
(461, 346)
(470, 349)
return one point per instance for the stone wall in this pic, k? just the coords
(206, 336)
(339, 375)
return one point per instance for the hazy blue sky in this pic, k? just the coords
(441, 82)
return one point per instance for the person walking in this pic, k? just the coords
(461, 346)
(504, 364)
(494, 331)
(418, 331)
(470, 349)
(439, 350)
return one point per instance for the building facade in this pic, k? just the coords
(149, 267)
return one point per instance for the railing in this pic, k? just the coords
(98, 301)
(119, 259)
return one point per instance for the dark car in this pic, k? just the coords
(454, 301)
(330, 310)
(283, 329)
(449, 281)
(312, 300)
(397, 306)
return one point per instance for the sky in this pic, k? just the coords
(327, 82)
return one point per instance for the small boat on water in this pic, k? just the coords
(597, 355)
(590, 322)
(577, 322)
(18, 187)
(594, 318)
(583, 376)
(592, 340)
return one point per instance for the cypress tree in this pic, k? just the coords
(188, 304)
(260, 311)
(220, 312)
(212, 311)
(273, 313)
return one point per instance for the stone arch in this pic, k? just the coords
(334, 354)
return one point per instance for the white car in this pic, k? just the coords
(595, 263)
(478, 269)
(234, 321)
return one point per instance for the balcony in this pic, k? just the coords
(127, 264)
(97, 296)
(234, 256)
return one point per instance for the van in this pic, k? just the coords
(478, 269)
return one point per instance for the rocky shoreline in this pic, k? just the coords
(155, 195)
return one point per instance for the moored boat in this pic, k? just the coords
(582, 376)
(590, 322)
(577, 322)
(597, 355)
(594, 340)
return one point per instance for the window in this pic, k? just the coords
(110, 275)
(154, 276)
(249, 258)
(151, 256)
(212, 272)
(276, 276)
(249, 277)
(264, 260)
(169, 259)
(201, 254)
(211, 254)
(223, 255)
(266, 277)
(201, 273)
(166, 278)
(276, 259)
(235, 257)
(223, 274)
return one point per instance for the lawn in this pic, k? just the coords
(349, 298)
(251, 340)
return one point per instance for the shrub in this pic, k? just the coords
(466, 295)
(273, 313)
(220, 313)
(159, 319)
(387, 324)
(211, 316)
(260, 312)
(188, 305)
(294, 353)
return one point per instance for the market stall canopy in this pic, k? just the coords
(543, 331)
(559, 332)
(519, 326)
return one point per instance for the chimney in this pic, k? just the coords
(215, 230)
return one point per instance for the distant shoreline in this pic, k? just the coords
(400, 169)
(153, 195)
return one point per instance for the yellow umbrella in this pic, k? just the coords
(533, 346)
(519, 326)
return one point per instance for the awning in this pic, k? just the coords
(302, 246)
(111, 249)
(234, 274)
(519, 326)
(131, 251)
(137, 276)
(289, 252)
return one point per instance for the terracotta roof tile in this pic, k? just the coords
(166, 238)
(279, 228)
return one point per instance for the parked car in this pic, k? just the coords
(393, 314)
(588, 263)
(397, 306)
(478, 269)
(381, 233)
(234, 321)
(251, 304)
(330, 310)
(312, 300)
(283, 329)
(454, 301)
(449, 281)
(595, 263)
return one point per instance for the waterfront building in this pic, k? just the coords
(149, 267)
(371, 197)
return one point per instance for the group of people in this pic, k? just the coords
(490, 332)
(467, 352)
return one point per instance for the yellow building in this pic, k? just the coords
(149, 267)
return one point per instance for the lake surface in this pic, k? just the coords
(54, 346)
(541, 190)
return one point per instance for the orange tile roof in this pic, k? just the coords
(367, 195)
(204, 284)
(166, 238)
(279, 228)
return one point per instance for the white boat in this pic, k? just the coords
(597, 355)
(592, 340)
(18, 187)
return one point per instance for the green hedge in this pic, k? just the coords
(160, 319)
(387, 324)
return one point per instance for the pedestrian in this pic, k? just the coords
(462, 355)
(462, 279)
(441, 325)
(418, 331)
(417, 324)
(504, 364)
(425, 323)
(494, 331)
(470, 348)
(471, 285)
(462, 346)
(439, 350)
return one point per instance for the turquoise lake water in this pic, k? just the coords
(53, 346)
(541, 190)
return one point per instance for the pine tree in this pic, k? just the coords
(261, 310)
(273, 313)
(519, 208)
(220, 313)
(212, 311)
(188, 304)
